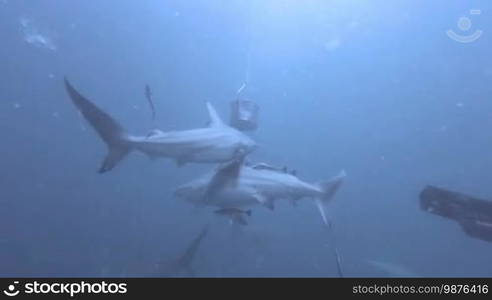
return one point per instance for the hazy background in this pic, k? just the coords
(373, 87)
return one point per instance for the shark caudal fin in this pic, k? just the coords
(329, 189)
(107, 128)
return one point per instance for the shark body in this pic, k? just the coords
(236, 185)
(217, 143)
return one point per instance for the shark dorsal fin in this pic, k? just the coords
(215, 120)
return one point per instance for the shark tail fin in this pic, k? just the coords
(329, 189)
(107, 128)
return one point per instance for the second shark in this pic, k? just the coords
(236, 185)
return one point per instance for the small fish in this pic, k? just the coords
(148, 95)
(265, 166)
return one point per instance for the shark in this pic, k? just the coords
(240, 185)
(182, 264)
(216, 143)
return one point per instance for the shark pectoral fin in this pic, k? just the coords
(260, 198)
(226, 175)
(265, 201)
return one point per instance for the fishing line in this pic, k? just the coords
(246, 76)
(241, 89)
(248, 53)
(248, 64)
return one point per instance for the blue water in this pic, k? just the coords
(373, 87)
